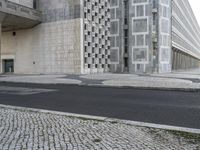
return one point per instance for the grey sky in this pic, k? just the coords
(196, 8)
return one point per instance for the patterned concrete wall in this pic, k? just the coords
(149, 37)
(116, 58)
(140, 35)
(164, 39)
(143, 31)
(185, 29)
(96, 36)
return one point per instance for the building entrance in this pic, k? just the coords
(8, 66)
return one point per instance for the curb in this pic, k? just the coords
(144, 88)
(105, 119)
(112, 86)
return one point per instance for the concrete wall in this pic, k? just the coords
(139, 27)
(164, 36)
(54, 10)
(28, 3)
(116, 39)
(72, 38)
(149, 38)
(52, 47)
(140, 36)
(48, 48)
(96, 36)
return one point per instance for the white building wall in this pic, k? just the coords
(185, 28)
(48, 48)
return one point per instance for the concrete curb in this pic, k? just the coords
(105, 119)
(146, 88)
(109, 86)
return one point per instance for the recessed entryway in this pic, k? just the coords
(8, 65)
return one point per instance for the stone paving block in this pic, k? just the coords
(23, 129)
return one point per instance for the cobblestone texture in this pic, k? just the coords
(34, 130)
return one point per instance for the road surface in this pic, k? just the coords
(152, 106)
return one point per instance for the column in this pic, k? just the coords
(2, 16)
(1, 70)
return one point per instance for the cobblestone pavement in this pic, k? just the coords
(21, 129)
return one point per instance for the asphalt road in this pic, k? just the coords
(152, 106)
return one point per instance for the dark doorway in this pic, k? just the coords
(9, 66)
(126, 64)
(34, 4)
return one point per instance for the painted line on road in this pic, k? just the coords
(106, 119)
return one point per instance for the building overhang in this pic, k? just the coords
(15, 17)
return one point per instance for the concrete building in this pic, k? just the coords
(44, 37)
(96, 36)
(185, 36)
(150, 36)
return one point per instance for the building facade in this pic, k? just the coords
(69, 36)
(151, 36)
(185, 36)
(96, 36)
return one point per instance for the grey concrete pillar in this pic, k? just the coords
(2, 16)
(172, 59)
(180, 64)
(181, 60)
(181, 56)
(176, 60)
(178, 67)
(185, 62)
(1, 70)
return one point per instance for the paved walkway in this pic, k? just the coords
(24, 129)
(178, 80)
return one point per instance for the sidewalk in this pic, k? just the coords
(31, 129)
(187, 81)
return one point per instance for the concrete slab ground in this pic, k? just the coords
(187, 81)
(24, 128)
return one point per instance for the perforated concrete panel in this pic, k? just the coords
(96, 36)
